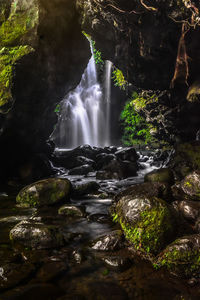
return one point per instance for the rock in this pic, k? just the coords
(12, 274)
(188, 188)
(44, 192)
(127, 154)
(117, 169)
(191, 185)
(148, 222)
(70, 211)
(117, 262)
(164, 175)
(100, 218)
(82, 170)
(104, 159)
(72, 162)
(182, 256)
(36, 235)
(84, 189)
(190, 210)
(109, 242)
(51, 270)
(186, 159)
(147, 189)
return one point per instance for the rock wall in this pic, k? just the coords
(156, 45)
(42, 56)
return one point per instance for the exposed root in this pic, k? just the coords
(182, 66)
(148, 7)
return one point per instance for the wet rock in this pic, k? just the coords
(147, 189)
(70, 211)
(117, 262)
(82, 170)
(164, 175)
(51, 270)
(127, 154)
(36, 235)
(182, 256)
(186, 159)
(117, 169)
(197, 225)
(77, 256)
(103, 159)
(188, 188)
(148, 222)
(44, 192)
(12, 274)
(109, 242)
(84, 189)
(100, 218)
(191, 185)
(190, 210)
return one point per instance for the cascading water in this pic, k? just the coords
(107, 86)
(84, 116)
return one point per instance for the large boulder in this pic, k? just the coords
(128, 153)
(36, 235)
(188, 188)
(164, 175)
(182, 257)
(186, 159)
(44, 192)
(118, 169)
(84, 189)
(190, 210)
(148, 222)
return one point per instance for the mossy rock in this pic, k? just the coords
(191, 185)
(44, 192)
(164, 175)
(36, 235)
(182, 257)
(186, 159)
(148, 222)
(18, 35)
(70, 211)
(8, 59)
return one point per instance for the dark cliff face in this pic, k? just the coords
(43, 55)
(40, 79)
(156, 45)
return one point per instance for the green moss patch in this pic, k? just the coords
(8, 60)
(182, 257)
(150, 228)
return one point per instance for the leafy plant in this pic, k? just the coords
(119, 79)
(136, 129)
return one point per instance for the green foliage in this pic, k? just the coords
(136, 129)
(119, 79)
(8, 59)
(57, 109)
(97, 55)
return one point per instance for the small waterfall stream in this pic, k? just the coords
(107, 86)
(85, 112)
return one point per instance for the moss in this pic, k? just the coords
(150, 231)
(143, 100)
(183, 262)
(8, 60)
(189, 153)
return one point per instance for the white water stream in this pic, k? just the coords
(85, 115)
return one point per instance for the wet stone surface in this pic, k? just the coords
(72, 269)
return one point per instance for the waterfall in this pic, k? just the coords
(84, 116)
(107, 86)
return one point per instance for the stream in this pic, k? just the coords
(78, 270)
